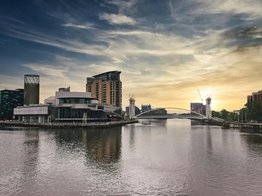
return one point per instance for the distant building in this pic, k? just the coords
(9, 99)
(155, 112)
(31, 89)
(145, 108)
(255, 96)
(106, 88)
(198, 107)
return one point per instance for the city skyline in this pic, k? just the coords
(166, 50)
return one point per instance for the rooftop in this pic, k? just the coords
(106, 73)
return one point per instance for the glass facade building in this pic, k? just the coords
(9, 99)
(77, 114)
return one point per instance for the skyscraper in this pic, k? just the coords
(106, 87)
(9, 99)
(31, 89)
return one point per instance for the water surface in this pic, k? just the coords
(173, 157)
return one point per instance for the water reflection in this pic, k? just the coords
(100, 145)
(29, 167)
(253, 140)
(209, 140)
(154, 122)
(132, 135)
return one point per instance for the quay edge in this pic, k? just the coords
(69, 125)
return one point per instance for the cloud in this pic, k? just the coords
(168, 53)
(117, 19)
(78, 26)
(252, 8)
(123, 6)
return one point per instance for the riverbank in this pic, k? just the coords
(256, 126)
(238, 125)
(69, 125)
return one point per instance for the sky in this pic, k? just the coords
(167, 50)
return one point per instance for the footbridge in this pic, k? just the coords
(159, 113)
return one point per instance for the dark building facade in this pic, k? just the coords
(155, 112)
(145, 108)
(198, 107)
(10, 99)
(106, 88)
(31, 89)
(255, 96)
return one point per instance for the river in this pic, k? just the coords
(157, 157)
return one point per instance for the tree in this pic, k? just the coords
(254, 110)
(216, 114)
(224, 114)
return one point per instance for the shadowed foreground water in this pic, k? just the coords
(159, 157)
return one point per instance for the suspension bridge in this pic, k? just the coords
(158, 113)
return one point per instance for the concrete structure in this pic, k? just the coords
(132, 111)
(33, 113)
(208, 108)
(31, 89)
(9, 99)
(106, 88)
(198, 107)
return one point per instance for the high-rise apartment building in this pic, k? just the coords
(106, 87)
(9, 99)
(31, 89)
(255, 97)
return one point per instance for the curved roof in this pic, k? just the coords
(105, 73)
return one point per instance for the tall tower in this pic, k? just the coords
(31, 89)
(132, 108)
(208, 108)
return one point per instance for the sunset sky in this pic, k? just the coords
(166, 49)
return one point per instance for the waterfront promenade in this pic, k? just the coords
(69, 124)
(227, 124)
(246, 125)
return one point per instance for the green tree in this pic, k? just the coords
(232, 116)
(216, 114)
(254, 110)
(224, 114)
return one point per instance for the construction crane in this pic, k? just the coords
(200, 95)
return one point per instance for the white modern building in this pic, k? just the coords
(33, 113)
(66, 106)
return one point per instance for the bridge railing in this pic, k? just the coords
(176, 108)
